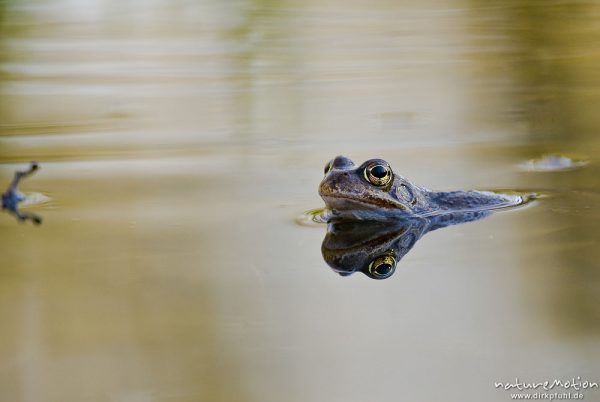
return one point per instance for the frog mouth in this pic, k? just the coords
(343, 203)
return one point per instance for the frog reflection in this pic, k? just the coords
(13, 197)
(376, 247)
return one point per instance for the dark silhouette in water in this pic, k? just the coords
(12, 197)
(375, 247)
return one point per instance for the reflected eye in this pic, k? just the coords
(378, 174)
(328, 167)
(382, 267)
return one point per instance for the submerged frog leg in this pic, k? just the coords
(12, 197)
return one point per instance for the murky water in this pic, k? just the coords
(179, 141)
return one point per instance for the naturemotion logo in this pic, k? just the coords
(547, 385)
(548, 389)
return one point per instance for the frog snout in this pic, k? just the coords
(334, 182)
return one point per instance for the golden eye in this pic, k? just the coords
(378, 173)
(328, 167)
(382, 267)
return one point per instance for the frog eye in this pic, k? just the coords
(382, 267)
(378, 173)
(328, 166)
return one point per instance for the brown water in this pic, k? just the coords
(178, 142)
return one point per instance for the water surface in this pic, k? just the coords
(178, 143)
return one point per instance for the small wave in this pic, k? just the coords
(34, 199)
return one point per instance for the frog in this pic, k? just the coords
(373, 191)
(12, 197)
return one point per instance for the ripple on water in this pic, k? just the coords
(34, 199)
(553, 163)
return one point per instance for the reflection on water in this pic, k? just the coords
(178, 141)
(375, 247)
